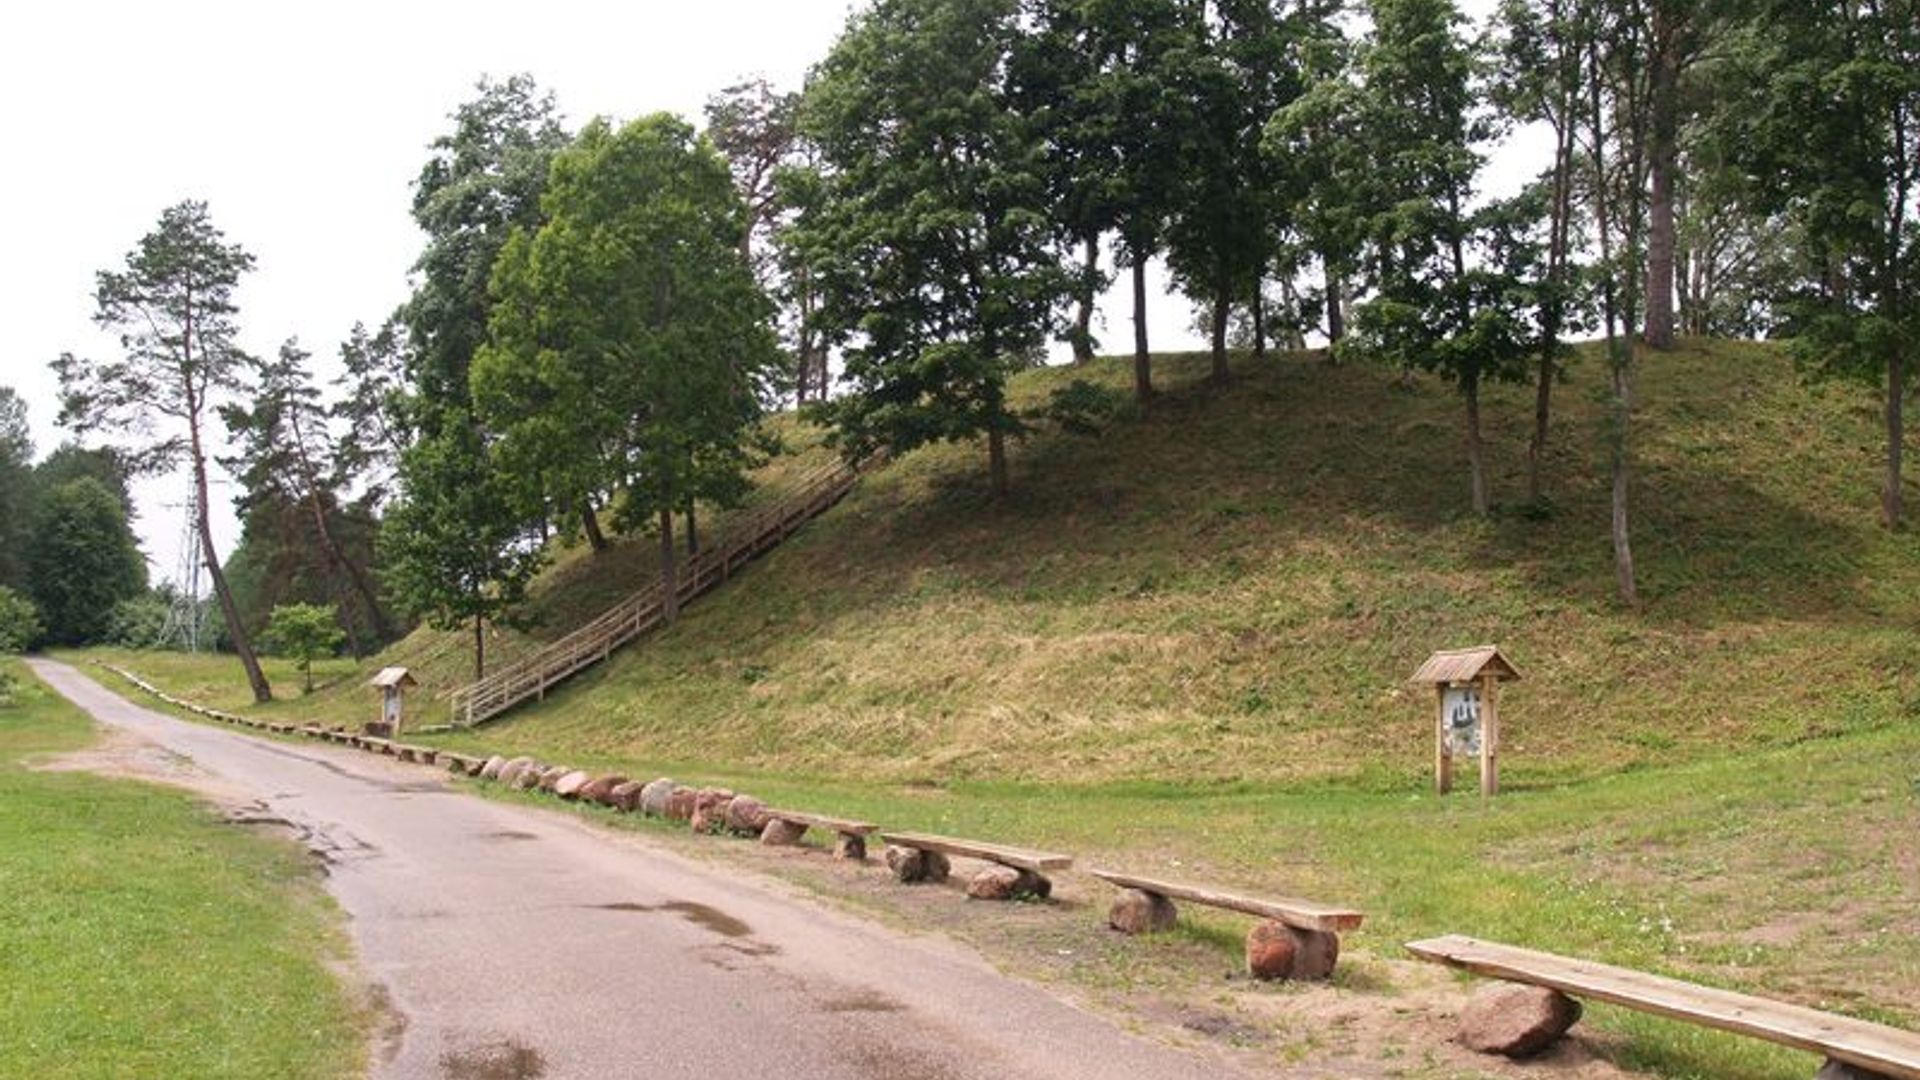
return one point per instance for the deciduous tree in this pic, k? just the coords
(932, 237)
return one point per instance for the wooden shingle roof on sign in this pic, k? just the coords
(394, 676)
(1450, 666)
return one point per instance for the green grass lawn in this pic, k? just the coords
(141, 937)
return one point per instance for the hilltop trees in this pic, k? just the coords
(631, 346)
(1829, 132)
(173, 309)
(456, 548)
(932, 238)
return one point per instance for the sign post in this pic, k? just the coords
(1467, 724)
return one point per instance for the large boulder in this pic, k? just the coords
(710, 810)
(1516, 1021)
(528, 778)
(1136, 912)
(746, 815)
(600, 789)
(912, 865)
(654, 796)
(625, 795)
(680, 803)
(570, 785)
(509, 771)
(552, 776)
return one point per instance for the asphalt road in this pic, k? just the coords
(515, 943)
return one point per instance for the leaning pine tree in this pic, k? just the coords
(173, 308)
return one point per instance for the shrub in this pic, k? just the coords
(20, 625)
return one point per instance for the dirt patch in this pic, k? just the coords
(861, 1001)
(699, 914)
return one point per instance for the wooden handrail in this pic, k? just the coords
(756, 532)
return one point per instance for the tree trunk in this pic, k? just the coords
(1336, 305)
(1222, 308)
(236, 630)
(1619, 354)
(1558, 241)
(1259, 324)
(693, 530)
(1142, 362)
(356, 576)
(997, 463)
(590, 524)
(1662, 160)
(669, 575)
(1892, 496)
(1622, 534)
(1476, 460)
(1083, 314)
(479, 648)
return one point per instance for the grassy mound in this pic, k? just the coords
(1233, 585)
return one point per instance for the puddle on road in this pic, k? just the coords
(508, 834)
(503, 1060)
(700, 914)
(861, 1001)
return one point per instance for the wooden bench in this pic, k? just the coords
(1297, 939)
(1872, 1050)
(788, 826)
(921, 857)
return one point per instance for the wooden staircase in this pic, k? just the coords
(746, 539)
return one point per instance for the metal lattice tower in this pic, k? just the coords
(187, 616)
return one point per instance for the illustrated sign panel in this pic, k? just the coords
(1462, 707)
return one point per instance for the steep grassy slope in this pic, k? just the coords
(1233, 586)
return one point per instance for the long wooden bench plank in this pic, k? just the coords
(1304, 914)
(1038, 862)
(1882, 1049)
(817, 821)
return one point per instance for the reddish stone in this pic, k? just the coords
(1516, 1021)
(1270, 950)
(570, 785)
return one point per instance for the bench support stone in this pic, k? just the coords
(1136, 911)
(1840, 1070)
(1278, 951)
(1516, 1021)
(850, 846)
(912, 865)
(782, 833)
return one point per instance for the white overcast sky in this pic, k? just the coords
(303, 126)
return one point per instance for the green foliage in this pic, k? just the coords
(82, 560)
(138, 621)
(303, 633)
(631, 345)
(71, 461)
(16, 486)
(454, 546)
(299, 541)
(20, 626)
(931, 236)
(482, 181)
